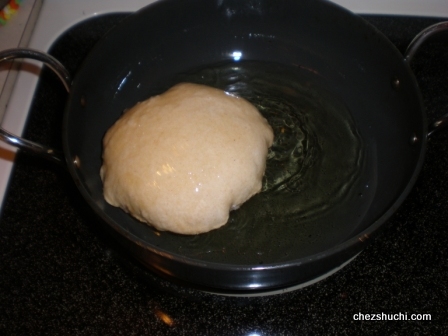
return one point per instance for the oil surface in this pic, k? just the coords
(315, 169)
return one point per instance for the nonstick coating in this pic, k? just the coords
(146, 54)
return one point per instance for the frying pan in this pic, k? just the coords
(350, 130)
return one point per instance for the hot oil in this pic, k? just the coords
(315, 172)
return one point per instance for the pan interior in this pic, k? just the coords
(319, 179)
(341, 156)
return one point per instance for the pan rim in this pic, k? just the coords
(355, 241)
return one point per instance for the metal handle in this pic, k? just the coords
(64, 76)
(410, 52)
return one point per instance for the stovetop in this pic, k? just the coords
(61, 274)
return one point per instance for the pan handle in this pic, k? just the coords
(409, 54)
(64, 76)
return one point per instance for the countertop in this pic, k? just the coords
(15, 33)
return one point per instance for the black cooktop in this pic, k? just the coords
(61, 275)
